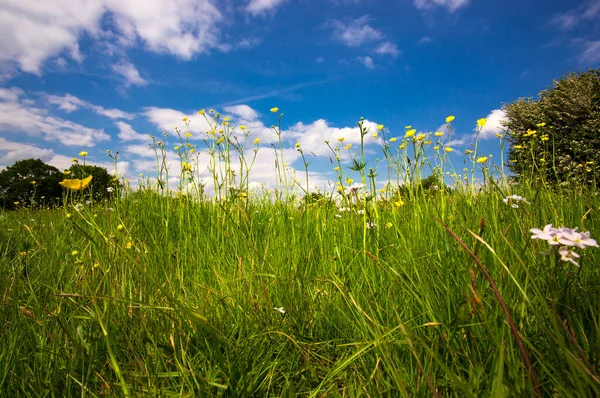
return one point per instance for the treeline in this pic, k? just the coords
(33, 183)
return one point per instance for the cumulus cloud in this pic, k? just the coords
(35, 31)
(261, 6)
(366, 61)
(10, 152)
(127, 133)
(20, 115)
(387, 48)
(242, 111)
(70, 103)
(356, 32)
(450, 5)
(129, 73)
(494, 124)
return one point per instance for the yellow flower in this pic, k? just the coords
(450, 119)
(349, 181)
(468, 151)
(407, 127)
(185, 119)
(347, 147)
(74, 160)
(438, 133)
(83, 154)
(448, 149)
(481, 122)
(499, 135)
(388, 225)
(435, 148)
(201, 112)
(393, 139)
(211, 110)
(541, 124)
(518, 146)
(403, 145)
(226, 119)
(421, 136)
(399, 203)
(76, 184)
(274, 110)
(120, 227)
(297, 145)
(482, 159)
(129, 244)
(242, 128)
(187, 134)
(256, 141)
(67, 172)
(341, 139)
(336, 169)
(75, 253)
(176, 147)
(410, 133)
(33, 182)
(380, 127)
(375, 134)
(427, 142)
(513, 161)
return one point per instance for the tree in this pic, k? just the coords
(29, 182)
(101, 180)
(557, 137)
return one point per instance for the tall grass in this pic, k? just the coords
(413, 292)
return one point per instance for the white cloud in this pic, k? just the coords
(367, 61)
(70, 103)
(577, 16)
(11, 94)
(34, 31)
(450, 5)
(127, 133)
(591, 54)
(23, 117)
(261, 6)
(387, 48)
(10, 152)
(424, 40)
(494, 124)
(243, 111)
(130, 73)
(357, 32)
(312, 136)
(166, 119)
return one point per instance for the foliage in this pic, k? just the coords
(556, 138)
(29, 182)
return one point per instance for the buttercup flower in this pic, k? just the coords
(448, 149)
(482, 159)
(83, 154)
(274, 110)
(450, 119)
(410, 133)
(380, 127)
(256, 141)
(481, 122)
(438, 133)
(76, 184)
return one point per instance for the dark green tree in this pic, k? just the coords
(30, 182)
(556, 138)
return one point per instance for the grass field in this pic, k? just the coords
(435, 292)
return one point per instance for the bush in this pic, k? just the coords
(556, 138)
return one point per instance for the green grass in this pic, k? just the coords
(189, 309)
(183, 295)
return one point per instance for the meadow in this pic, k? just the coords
(368, 290)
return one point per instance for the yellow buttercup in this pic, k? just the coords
(76, 184)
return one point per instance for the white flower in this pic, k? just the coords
(360, 211)
(110, 189)
(512, 200)
(78, 207)
(338, 216)
(570, 237)
(280, 309)
(568, 255)
(371, 225)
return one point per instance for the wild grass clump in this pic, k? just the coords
(427, 288)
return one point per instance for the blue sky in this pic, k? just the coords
(95, 75)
